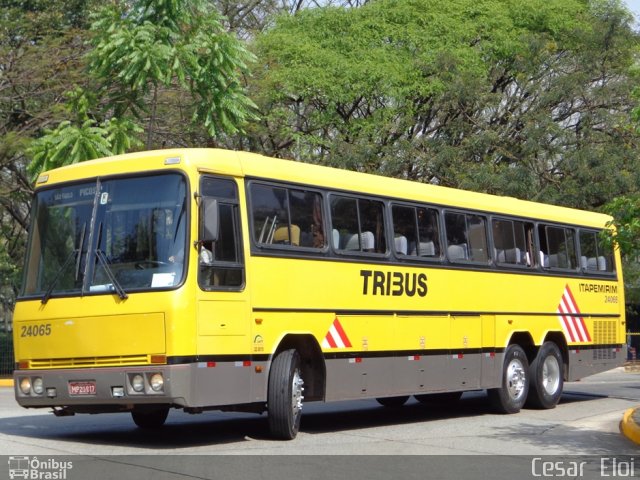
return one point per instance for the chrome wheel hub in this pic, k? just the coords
(516, 379)
(550, 375)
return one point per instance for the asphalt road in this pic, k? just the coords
(586, 422)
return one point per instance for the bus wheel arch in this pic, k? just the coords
(313, 368)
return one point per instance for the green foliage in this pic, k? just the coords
(42, 44)
(68, 144)
(626, 236)
(626, 213)
(81, 139)
(144, 49)
(526, 98)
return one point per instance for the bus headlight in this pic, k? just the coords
(38, 386)
(137, 383)
(157, 382)
(25, 385)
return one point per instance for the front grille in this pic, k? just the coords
(90, 362)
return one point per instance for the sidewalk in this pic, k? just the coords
(630, 424)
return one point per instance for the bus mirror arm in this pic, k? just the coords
(209, 220)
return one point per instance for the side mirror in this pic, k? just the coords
(209, 220)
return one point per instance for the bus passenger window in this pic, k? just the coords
(595, 255)
(557, 247)
(270, 208)
(358, 225)
(513, 242)
(287, 216)
(466, 237)
(306, 217)
(415, 231)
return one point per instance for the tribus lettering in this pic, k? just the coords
(376, 282)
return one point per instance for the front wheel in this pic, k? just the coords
(153, 418)
(284, 397)
(511, 395)
(546, 377)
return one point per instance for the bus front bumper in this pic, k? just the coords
(200, 385)
(102, 389)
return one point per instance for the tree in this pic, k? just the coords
(515, 97)
(41, 50)
(162, 68)
(150, 54)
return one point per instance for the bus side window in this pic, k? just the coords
(513, 242)
(595, 255)
(358, 225)
(557, 247)
(306, 216)
(415, 231)
(466, 237)
(287, 216)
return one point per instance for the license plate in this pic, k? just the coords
(82, 388)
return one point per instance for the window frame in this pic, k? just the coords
(531, 249)
(285, 247)
(487, 239)
(384, 222)
(434, 259)
(546, 226)
(610, 256)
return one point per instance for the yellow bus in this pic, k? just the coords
(207, 279)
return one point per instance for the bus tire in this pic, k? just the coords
(546, 377)
(284, 397)
(154, 418)
(393, 402)
(512, 394)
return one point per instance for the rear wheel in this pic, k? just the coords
(546, 377)
(150, 418)
(284, 398)
(393, 401)
(511, 395)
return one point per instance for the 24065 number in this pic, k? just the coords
(41, 330)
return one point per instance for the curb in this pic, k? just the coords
(6, 382)
(629, 425)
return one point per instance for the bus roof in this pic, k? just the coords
(244, 164)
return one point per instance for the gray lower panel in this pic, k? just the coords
(350, 378)
(583, 363)
(189, 385)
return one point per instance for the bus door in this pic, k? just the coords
(223, 303)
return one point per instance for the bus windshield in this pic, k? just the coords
(107, 236)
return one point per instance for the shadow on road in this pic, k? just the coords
(188, 431)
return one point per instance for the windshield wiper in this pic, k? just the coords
(102, 258)
(56, 278)
(63, 268)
